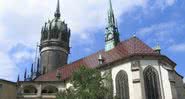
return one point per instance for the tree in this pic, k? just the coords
(88, 84)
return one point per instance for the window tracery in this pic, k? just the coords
(122, 89)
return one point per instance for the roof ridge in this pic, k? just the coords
(102, 50)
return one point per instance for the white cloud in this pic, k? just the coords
(156, 28)
(82, 16)
(159, 32)
(184, 80)
(20, 56)
(177, 47)
(170, 2)
(8, 69)
(21, 20)
(159, 4)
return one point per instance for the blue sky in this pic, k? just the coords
(153, 21)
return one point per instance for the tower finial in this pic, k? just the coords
(110, 5)
(57, 13)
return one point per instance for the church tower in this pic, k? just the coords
(112, 33)
(54, 43)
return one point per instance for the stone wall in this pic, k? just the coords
(7, 90)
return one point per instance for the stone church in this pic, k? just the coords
(138, 71)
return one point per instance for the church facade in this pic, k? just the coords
(138, 71)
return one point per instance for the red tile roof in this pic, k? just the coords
(132, 46)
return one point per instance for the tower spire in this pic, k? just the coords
(112, 33)
(57, 13)
(111, 19)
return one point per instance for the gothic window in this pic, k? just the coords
(151, 80)
(122, 89)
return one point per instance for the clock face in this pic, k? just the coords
(109, 36)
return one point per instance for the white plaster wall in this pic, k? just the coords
(136, 74)
(127, 68)
(137, 85)
(166, 84)
(137, 91)
(145, 63)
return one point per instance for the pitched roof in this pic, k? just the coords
(132, 46)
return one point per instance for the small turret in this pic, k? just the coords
(100, 59)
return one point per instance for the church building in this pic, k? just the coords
(138, 71)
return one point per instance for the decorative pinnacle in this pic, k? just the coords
(57, 13)
(157, 48)
(134, 35)
(25, 74)
(32, 70)
(18, 78)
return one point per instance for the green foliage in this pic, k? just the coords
(88, 84)
(66, 94)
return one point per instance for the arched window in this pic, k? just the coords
(29, 90)
(49, 90)
(151, 80)
(122, 89)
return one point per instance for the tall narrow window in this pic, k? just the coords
(122, 89)
(151, 80)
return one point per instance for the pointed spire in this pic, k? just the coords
(110, 6)
(111, 19)
(38, 66)
(32, 69)
(57, 13)
(18, 79)
(25, 74)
